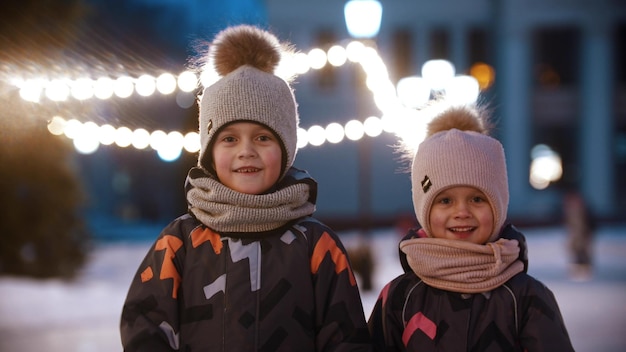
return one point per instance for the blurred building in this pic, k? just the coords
(560, 80)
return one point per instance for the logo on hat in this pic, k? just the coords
(426, 183)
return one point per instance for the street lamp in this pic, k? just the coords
(363, 18)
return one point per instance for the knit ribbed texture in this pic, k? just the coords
(248, 94)
(225, 210)
(461, 266)
(459, 158)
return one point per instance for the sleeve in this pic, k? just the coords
(339, 314)
(542, 326)
(385, 325)
(150, 319)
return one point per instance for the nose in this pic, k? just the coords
(461, 210)
(247, 150)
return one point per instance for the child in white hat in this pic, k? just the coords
(465, 286)
(248, 268)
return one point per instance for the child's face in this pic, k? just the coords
(247, 157)
(461, 213)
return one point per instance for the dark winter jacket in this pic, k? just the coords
(287, 289)
(521, 315)
(290, 291)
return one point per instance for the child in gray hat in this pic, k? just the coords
(248, 268)
(465, 286)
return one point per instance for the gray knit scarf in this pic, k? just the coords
(461, 266)
(225, 210)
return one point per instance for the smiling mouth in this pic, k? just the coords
(462, 229)
(246, 170)
(462, 232)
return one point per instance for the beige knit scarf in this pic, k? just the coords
(225, 210)
(461, 266)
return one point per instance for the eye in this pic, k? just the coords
(443, 200)
(478, 199)
(228, 139)
(264, 138)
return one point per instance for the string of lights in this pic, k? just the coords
(397, 105)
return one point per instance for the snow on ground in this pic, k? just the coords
(83, 315)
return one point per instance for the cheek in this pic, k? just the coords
(488, 215)
(220, 161)
(487, 219)
(274, 158)
(436, 222)
(274, 154)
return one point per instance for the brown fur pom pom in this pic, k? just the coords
(463, 118)
(245, 45)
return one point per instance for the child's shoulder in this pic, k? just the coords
(181, 226)
(315, 230)
(312, 225)
(525, 284)
(405, 283)
(403, 287)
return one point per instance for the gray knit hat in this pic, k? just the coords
(457, 152)
(245, 57)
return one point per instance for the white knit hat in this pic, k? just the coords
(246, 57)
(457, 152)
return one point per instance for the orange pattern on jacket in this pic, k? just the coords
(201, 235)
(147, 274)
(327, 244)
(170, 244)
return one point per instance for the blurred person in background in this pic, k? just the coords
(580, 226)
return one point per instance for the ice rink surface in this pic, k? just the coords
(83, 315)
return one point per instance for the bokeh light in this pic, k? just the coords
(546, 166)
(316, 135)
(334, 133)
(123, 87)
(337, 55)
(166, 83)
(413, 91)
(187, 81)
(317, 58)
(355, 130)
(145, 85)
(484, 74)
(438, 73)
(103, 88)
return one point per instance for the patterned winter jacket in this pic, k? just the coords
(290, 289)
(520, 315)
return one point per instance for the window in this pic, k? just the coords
(478, 46)
(557, 53)
(439, 44)
(402, 46)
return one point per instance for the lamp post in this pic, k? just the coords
(363, 19)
